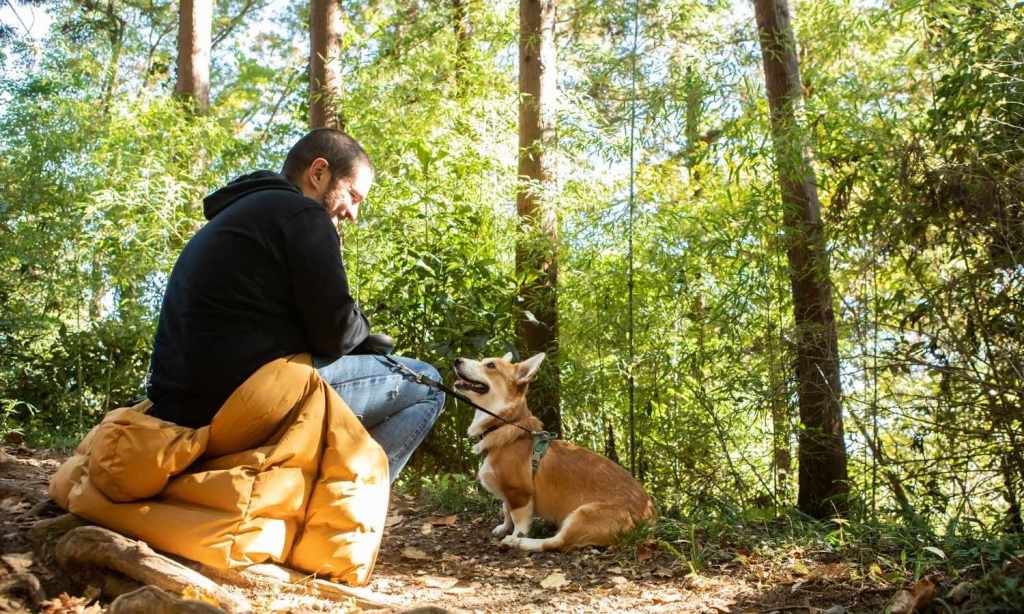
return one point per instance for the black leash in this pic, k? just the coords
(426, 381)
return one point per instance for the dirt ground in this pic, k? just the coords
(453, 562)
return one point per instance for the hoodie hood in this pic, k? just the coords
(246, 184)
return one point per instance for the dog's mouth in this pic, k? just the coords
(465, 382)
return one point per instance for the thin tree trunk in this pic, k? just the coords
(325, 31)
(823, 484)
(781, 455)
(536, 256)
(462, 25)
(194, 27)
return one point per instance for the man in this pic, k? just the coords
(264, 279)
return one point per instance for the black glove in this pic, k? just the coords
(375, 343)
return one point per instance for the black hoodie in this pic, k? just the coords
(263, 279)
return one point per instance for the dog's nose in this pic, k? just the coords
(458, 362)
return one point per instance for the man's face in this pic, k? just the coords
(342, 196)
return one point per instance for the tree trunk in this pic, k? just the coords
(780, 407)
(536, 256)
(194, 26)
(462, 26)
(823, 482)
(325, 32)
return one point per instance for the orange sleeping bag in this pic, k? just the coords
(284, 474)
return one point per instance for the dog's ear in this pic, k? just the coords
(508, 357)
(527, 370)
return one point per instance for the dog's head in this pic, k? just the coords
(498, 384)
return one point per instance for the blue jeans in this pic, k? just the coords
(397, 411)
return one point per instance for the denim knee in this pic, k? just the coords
(428, 370)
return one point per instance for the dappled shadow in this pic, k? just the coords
(453, 561)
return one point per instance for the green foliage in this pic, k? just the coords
(452, 493)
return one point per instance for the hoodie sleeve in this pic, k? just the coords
(334, 324)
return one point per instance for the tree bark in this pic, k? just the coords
(91, 547)
(536, 250)
(325, 31)
(194, 25)
(823, 484)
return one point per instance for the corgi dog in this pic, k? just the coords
(590, 498)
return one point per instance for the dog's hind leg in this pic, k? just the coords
(506, 526)
(594, 524)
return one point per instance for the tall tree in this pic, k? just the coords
(325, 31)
(194, 26)
(536, 250)
(822, 451)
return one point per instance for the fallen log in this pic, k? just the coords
(120, 557)
(275, 575)
(96, 546)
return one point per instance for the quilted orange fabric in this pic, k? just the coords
(286, 474)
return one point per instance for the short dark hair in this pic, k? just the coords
(340, 150)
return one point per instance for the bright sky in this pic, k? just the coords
(35, 19)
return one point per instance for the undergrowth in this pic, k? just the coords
(877, 553)
(451, 493)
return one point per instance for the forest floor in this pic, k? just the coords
(452, 561)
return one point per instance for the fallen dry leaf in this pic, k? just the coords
(916, 598)
(393, 520)
(960, 593)
(667, 597)
(415, 554)
(645, 551)
(720, 605)
(18, 561)
(663, 572)
(14, 505)
(426, 529)
(618, 580)
(441, 582)
(66, 604)
(464, 590)
(556, 580)
(442, 521)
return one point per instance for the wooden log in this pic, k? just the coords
(152, 600)
(96, 546)
(269, 574)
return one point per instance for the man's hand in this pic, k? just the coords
(375, 343)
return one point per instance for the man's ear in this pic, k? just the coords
(527, 370)
(319, 173)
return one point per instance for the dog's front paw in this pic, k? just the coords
(501, 530)
(512, 541)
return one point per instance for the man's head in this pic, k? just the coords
(332, 168)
